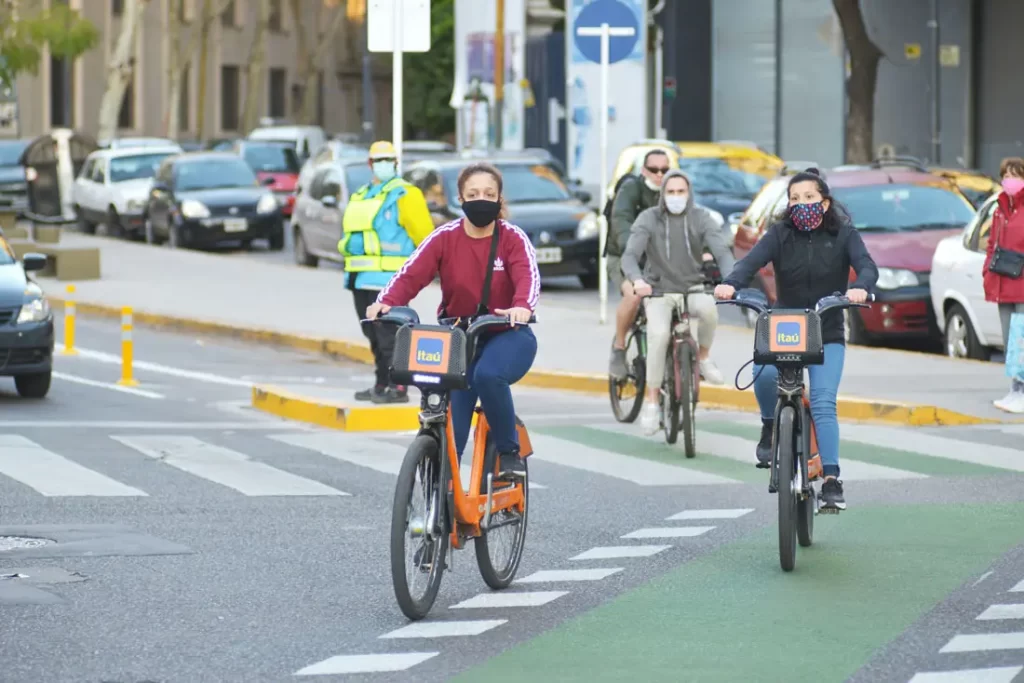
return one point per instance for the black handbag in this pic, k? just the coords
(1006, 262)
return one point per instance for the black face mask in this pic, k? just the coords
(481, 212)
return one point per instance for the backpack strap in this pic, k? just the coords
(485, 296)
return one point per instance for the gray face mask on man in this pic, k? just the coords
(676, 203)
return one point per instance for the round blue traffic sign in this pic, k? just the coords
(616, 14)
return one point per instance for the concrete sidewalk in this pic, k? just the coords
(309, 308)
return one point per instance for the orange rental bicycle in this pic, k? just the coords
(432, 515)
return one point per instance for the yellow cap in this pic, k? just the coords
(382, 149)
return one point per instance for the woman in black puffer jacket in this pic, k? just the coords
(812, 249)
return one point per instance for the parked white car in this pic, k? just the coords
(970, 325)
(113, 187)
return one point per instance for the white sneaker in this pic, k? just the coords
(711, 373)
(650, 419)
(1005, 400)
(1015, 404)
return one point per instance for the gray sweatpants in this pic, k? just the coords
(1005, 311)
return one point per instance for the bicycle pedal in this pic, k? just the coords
(828, 510)
(763, 465)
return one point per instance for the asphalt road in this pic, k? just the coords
(189, 538)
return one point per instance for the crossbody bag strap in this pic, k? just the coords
(486, 294)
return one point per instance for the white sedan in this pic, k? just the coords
(970, 325)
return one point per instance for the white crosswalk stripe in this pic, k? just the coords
(1001, 674)
(50, 474)
(225, 467)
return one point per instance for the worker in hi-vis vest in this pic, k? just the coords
(384, 222)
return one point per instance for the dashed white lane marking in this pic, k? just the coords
(207, 377)
(1019, 588)
(1002, 674)
(50, 474)
(107, 385)
(994, 612)
(505, 599)
(709, 514)
(444, 629)
(559, 575)
(669, 532)
(616, 551)
(981, 578)
(366, 664)
(978, 642)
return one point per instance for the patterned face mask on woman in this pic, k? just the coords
(807, 217)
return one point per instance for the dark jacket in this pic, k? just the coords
(809, 266)
(630, 201)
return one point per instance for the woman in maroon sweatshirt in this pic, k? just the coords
(458, 252)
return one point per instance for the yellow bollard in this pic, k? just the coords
(127, 380)
(69, 323)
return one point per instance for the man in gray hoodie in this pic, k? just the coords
(673, 236)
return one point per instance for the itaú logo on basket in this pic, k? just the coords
(788, 334)
(429, 351)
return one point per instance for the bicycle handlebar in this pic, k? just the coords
(755, 301)
(403, 315)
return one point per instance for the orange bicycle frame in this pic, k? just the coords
(814, 469)
(471, 507)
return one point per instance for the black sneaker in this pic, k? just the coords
(368, 394)
(511, 466)
(831, 496)
(764, 446)
(391, 395)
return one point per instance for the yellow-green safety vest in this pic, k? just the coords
(359, 218)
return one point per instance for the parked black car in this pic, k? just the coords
(540, 201)
(13, 186)
(203, 198)
(26, 325)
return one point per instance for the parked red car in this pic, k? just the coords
(902, 212)
(276, 165)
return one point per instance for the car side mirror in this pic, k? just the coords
(583, 196)
(329, 200)
(268, 181)
(33, 261)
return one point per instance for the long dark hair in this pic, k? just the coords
(836, 214)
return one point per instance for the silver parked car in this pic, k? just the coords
(319, 207)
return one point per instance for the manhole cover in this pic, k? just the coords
(18, 542)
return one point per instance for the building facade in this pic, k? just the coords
(58, 96)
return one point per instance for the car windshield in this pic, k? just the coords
(976, 197)
(714, 176)
(893, 208)
(357, 175)
(274, 158)
(522, 183)
(135, 167)
(10, 152)
(210, 174)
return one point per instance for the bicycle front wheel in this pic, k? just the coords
(687, 402)
(627, 395)
(499, 549)
(670, 396)
(786, 462)
(417, 552)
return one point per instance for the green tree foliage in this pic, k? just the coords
(23, 37)
(429, 77)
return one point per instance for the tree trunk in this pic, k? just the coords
(119, 70)
(174, 68)
(860, 86)
(308, 59)
(257, 69)
(210, 15)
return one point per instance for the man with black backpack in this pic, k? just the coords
(633, 195)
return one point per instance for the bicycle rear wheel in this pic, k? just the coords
(786, 450)
(498, 572)
(687, 403)
(627, 395)
(808, 506)
(424, 557)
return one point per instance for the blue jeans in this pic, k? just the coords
(824, 389)
(503, 360)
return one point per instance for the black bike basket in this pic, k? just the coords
(430, 356)
(788, 337)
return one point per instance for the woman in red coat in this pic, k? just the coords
(1005, 289)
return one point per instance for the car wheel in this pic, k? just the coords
(959, 337)
(276, 241)
(84, 225)
(36, 385)
(590, 281)
(855, 332)
(302, 255)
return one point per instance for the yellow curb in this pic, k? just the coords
(387, 418)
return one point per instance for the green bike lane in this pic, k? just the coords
(731, 614)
